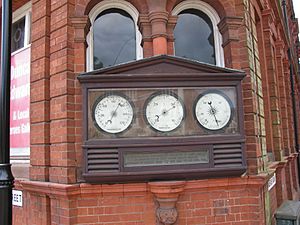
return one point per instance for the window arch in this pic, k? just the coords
(206, 19)
(114, 36)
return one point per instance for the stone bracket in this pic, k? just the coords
(166, 195)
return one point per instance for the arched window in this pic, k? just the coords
(196, 33)
(114, 37)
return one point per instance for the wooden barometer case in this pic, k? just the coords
(162, 118)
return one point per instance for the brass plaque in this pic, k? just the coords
(142, 159)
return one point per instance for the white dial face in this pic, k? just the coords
(113, 114)
(164, 112)
(213, 111)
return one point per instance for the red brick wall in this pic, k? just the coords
(215, 202)
(249, 31)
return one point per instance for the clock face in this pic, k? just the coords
(213, 110)
(113, 113)
(164, 112)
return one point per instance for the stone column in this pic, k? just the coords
(229, 28)
(40, 91)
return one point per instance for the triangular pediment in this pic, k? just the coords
(163, 64)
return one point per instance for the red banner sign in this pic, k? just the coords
(20, 101)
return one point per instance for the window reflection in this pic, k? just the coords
(114, 38)
(18, 35)
(194, 37)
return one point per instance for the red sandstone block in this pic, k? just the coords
(62, 175)
(201, 212)
(39, 133)
(39, 90)
(62, 155)
(62, 61)
(39, 155)
(92, 202)
(40, 28)
(87, 219)
(109, 218)
(40, 69)
(55, 4)
(40, 48)
(39, 112)
(61, 16)
(39, 173)
(62, 107)
(195, 220)
(60, 39)
(62, 131)
(134, 217)
(40, 9)
(62, 83)
(249, 200)
(210, 219)
(79, 68)
(200, 196)
(110, 201)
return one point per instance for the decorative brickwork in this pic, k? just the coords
(254, 40)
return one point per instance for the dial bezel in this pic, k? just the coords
(164, 92)
(228, 101)
(105, 96)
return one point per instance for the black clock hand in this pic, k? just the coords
(173, 107)
(113, 114)
(164, 112)
(213, 112)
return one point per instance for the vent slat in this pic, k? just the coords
(103, 166)
(224, 161)
(228, 155)
(227, 151)
(102, 160)
(228, 146)
(102, 156)
(229, 165)
(102, 151)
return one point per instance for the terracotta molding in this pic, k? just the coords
(166, 194)
(170, 27)
(81, 25)
(282, 164)
(158, 21)
(145, 27)
(60, 190)
(268, 21)
(228, 27)
(100, 189)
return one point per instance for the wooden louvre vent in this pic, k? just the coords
(162, 118)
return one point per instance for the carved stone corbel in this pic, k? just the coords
(166, 195)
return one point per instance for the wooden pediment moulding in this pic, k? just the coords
(131, 133)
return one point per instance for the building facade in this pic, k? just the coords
(70, 37)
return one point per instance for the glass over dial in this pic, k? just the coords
(213, 111)
(164, 112)
(113, 113)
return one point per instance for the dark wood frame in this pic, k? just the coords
(125, 76)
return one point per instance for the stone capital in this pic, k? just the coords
(81, 25)
(228, 27)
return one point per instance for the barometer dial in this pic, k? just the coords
(113, 113)
(164, 111)
(213, 110)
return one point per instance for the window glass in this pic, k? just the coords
(114, 38)
(18, 35)
(194, 37)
